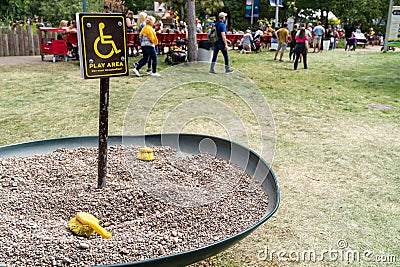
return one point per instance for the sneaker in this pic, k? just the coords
(149, 72)
(229, 71)
(155, 74)
(136, 72)
(212, 72)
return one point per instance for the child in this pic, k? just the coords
(63, 25)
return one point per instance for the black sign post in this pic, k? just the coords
(102, 53)
(103, 132)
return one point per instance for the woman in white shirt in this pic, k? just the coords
(246, 42)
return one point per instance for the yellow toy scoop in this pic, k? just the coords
(80, 229)
(88, 219)
(145, 153)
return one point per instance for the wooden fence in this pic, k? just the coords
(20, 41)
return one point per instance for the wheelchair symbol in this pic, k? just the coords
(105, 40)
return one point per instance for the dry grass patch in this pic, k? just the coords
(337, 160)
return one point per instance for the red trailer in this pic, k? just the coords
(52, 46)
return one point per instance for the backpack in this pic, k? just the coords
(212, 35)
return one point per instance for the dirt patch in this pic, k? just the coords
(20, 60)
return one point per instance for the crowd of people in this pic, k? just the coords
(172, 25)
(304, 38)
(300, 40)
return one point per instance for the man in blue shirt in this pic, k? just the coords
(221, 44)
(318, 32)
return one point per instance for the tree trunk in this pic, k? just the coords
(191, 18)
(182, 13)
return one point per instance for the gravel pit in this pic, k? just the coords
(166, 206)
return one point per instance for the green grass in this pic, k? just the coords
(336, 159)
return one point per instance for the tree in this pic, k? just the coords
(211, 6)
(365, 14)
(11, 10)
(236, 15)
(178, 5)
(58, 10)
(309, 7)
(136, 6)
(191, 14)
(353, 12)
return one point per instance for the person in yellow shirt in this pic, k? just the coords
(371, 36)
(283, 39)
(148, 43)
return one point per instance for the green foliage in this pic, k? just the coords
(58, 10)
(137, 6)
(353, 12)
(349, 11)
(54, 11)
(13, 9)
(211, 7)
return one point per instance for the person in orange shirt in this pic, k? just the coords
(267, 37)
(283, 39)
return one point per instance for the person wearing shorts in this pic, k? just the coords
(283, 39)
(267, 37)
(318, 32)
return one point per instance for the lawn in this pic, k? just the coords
(336, 158)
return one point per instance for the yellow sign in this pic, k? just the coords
(105, 40)
(102, 43)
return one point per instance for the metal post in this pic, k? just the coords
(103, 132)
(84, 5)
(388, 22)
(276, 13)
(252, 13)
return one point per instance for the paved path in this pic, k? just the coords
(17, 60)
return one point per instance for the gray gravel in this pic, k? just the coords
(39, 195)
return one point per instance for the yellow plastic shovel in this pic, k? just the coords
(88, 219)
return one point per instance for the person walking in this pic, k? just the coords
(148, 43)
(292, 44)
(142, 16)
(301, 48)
(283, 39)
(318, 32)
(221, 44)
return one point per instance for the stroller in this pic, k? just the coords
(177, 54)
